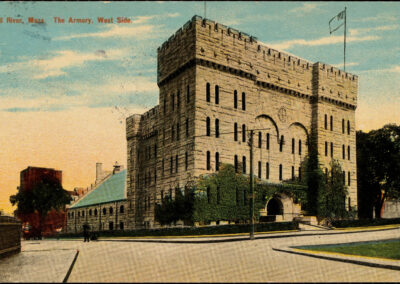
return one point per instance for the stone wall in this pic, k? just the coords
(10, 235)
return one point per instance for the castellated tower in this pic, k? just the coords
(216, 82)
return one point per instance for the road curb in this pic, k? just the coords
(71, 267)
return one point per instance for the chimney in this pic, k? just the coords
(117, 168)
(99, 172)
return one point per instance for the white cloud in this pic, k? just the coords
(348, 64)
(367, 30)
(377, 18)
(393, 69)
(321, 41)
(306, 8)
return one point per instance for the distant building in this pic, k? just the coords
(33, 175)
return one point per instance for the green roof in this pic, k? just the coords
(112, 189)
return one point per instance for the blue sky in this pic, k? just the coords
(67, 88)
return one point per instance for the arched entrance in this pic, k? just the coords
(274, 207)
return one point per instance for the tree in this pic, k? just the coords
(332, 199)
(46, 195)
(378, 167)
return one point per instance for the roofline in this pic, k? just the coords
(117, 200)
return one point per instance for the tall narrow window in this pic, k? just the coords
(331, 149)
(208, 126)
(343, 152)
(172, 101)
(280, 172)
(187, 94)
(281, 143)
(267, 141)
(217, 128)
(235, 99)
(292, 172)
(259, 169)
(186, 161)
(259, 140)
(208, 194)
(299, 146)
(344, 177)
(243, 101)
(216, 94)
(267, 171)
(162, 166)
(176, 163)
(172, 133)
(208, 161)
(348, 152)
(235, 134)
(218, 195)
(243, 133)
(326, 121)
(348, 127)
(326, 148)
(171, 165)
(331, 123)
(178, 99)
(187, 127)
(343, 125)
(217, 161)
(165, 105)
(236, 163)
(177, 131)
(155, 151)
(208, 96)
(293, 141)
(244, 164)
(348, 178)
(162, 195)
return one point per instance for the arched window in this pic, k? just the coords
(208, 161)
(83, 213)
(299, 146)
(343, 152)
(267, 141)
(217, 128)
(121, 209)
(79, 214)
(343, 125)
(121, 225)
(259, 139)
(292, 172)
(72, 214)
(348, 178)
(243, 132)
(69, 215)
(208, 126)
(244, 164)
(216, 94)
(235, 134)
(331, 123)
(186, 161)
(165, 105)
(348, 152)
(236, 162)
(326, 148)
(293, 145)
(280, 172)
(95, 212)
(243, 101)
(111, 210)
(259, 169)
(90, 212)
(104, 211)
(348, 127)
(281, 143)
(217, 161)
(267, 171)
(208, 92)
(171, 164)
(176, 163)
(326, 121)
(235, 99)
(331, 149)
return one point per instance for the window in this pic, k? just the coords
(104, 211)
(259, 169)
(186, 161)
(326, 148)
(171, 165)
(348, 127)
(208, 194)
(243, 101)
(235, 99)
(292, 172)
(177, 131)
(208, 161)
(216, 94)
(236, 163)
(155, 150)
(217, 161)
(218, 195)
(280, 172)
(344, 177)
(162, 195)
(217, 128)
(208, 127)
(267, 141)
(187, 127)
(208, 92)
(83, 213)
(121, 225)
(165, 105)
(348, 178)
(259, 139)
(331, 123)
(121, 209)
(293, 145)
(187, 94)
(243, 133)
(331, 149)
(176, 163)
(178, 99)
(244, 164)
(281, 143)
(111, 210)
(162, 167)
(343, 125)
(326, 122)
(267, 171)
(90, 212)
(348, 153)
(172, 132)
(95, 212)
(172, 101)
(235, 134)
(343, 152)
(299, 147)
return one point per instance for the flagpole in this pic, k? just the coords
(344, 53)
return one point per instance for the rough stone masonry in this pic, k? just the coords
(216, 82)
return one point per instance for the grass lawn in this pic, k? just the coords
(384, 249)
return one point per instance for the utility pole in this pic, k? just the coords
(251, 188)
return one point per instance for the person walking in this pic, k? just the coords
(86, 232)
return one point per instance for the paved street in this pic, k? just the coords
(241, 261)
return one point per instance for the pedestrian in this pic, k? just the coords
(86, 232)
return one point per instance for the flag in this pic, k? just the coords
(337, 21)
